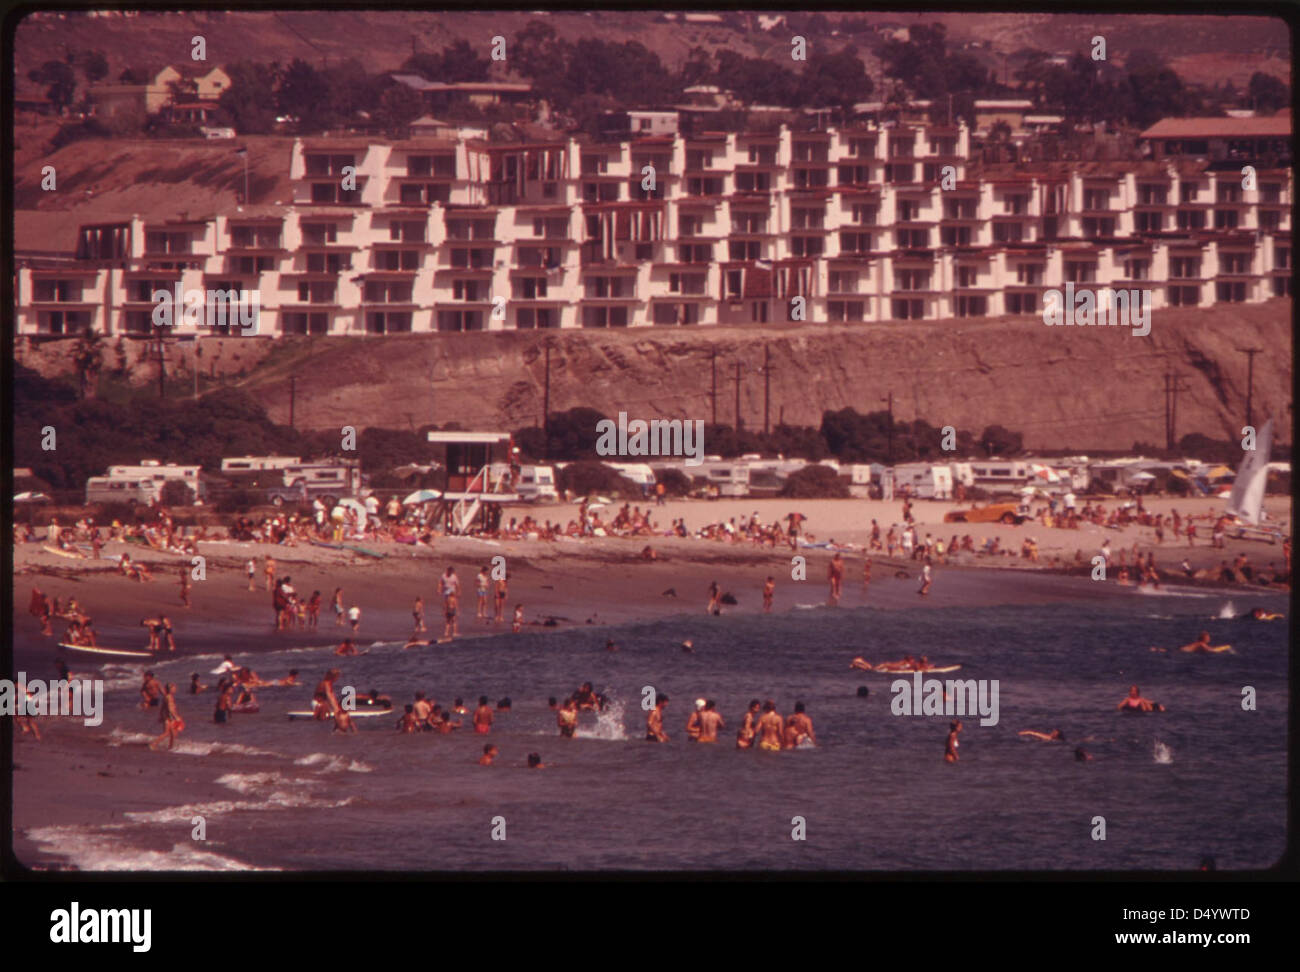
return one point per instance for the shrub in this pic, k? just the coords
(815, 482)
(586, 477)
(676, 482)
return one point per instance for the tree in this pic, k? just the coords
(587, 478)
(87, 358)
(250, 99)
(94, 65)
(398, 107)
(997, 441)
(1267, 93)
(460, 63)
(176, 493)
(815, 482)
(838, 79)
(303, 94)
(60, 80)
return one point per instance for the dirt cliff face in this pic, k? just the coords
(1078, 388)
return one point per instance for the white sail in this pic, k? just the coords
(1247, 500)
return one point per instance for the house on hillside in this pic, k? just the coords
(1222, 139)
(148, 91)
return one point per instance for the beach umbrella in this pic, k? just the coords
(422, 496)
(1219, 472)
(1141, 477)
(1044, 473)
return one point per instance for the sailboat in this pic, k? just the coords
(1246, 502)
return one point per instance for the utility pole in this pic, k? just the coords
(293, 394)
(1250, 378)
(740, 424)
(1172, 388)
(890, 400)
(713, 395)
(162, 368)
(767, 388)
(546, 401)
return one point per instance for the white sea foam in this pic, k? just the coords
(328, 763)
(609, 724)
(1163, 754)
(1227, 612)
(192, 747)
(91, 850)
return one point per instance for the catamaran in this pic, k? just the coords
(1246, 502)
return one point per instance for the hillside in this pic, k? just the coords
(1082, 389)
(388, 37)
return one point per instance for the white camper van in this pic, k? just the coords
(924, 480)
(537, 484)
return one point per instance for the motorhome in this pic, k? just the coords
(537, 484)
(251, 464)
(640, 473)
(924, 480)
(325, 478)
(999, 475)
(143, 483)
(730, 478)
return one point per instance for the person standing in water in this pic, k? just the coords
(710, 722)
(654, 722)
(170, 717)
(770, 726)
(769, 589)
(745, 737)
(835, 575)
(483, 716)
(950, 750)
(926, 579)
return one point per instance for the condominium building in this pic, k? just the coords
(864, 224)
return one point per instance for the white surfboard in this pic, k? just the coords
(108, 651)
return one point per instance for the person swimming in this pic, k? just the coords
(1134, 702)
(1054, 735)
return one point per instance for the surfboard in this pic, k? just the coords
(354, 713)
(107, 651)
(331, 546)
(363, 550)
(913, 671)
(63, 553)
(248, 708)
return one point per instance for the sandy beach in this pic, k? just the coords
(581, 585)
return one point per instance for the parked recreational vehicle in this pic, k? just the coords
(249, 464)
(1000, 475)
(332, 478)
(537, 484)
(141, 484)
(640, 473)
(730, 478)
(924, 480)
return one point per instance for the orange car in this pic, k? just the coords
(994, 513)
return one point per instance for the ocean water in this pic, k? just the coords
(1205, 777)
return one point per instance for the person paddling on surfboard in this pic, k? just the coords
(1202, 644)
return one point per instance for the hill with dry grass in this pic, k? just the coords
(1077, 388)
